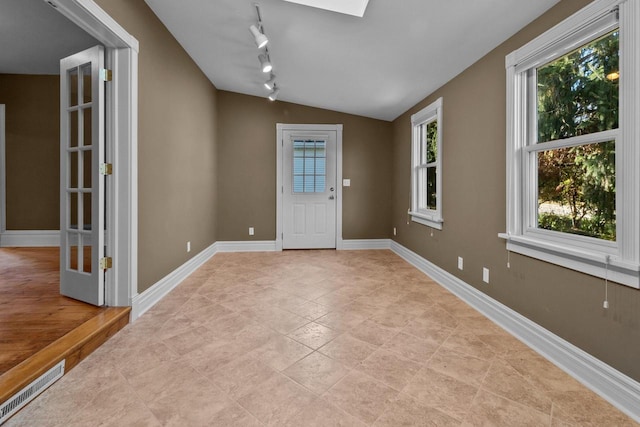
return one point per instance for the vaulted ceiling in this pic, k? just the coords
(377, 66)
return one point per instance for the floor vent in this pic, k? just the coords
(28, 393)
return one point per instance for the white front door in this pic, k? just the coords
(309, 189)
(81, 184)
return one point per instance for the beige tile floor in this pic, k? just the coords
(315, 338)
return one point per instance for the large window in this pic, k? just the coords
(426, 166)
(573, 143)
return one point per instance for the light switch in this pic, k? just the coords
(346, 183)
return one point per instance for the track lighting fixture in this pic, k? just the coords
(274, 95)
(265, 65)
(270, 84)
(259, 37)
(265, 61)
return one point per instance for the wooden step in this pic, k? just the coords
(74, 346)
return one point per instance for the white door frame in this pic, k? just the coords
(122, 144)
(280, 129)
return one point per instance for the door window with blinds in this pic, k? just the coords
(309, 166)
(426, 166)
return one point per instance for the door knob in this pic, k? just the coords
(331, 197)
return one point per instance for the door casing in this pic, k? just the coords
(280, 129)
(122, 144)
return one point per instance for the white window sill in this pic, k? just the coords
(584, 261)
(428, 220)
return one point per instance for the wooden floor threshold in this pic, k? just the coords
(74, 346)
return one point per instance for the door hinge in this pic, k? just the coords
(106, 168)
(106, 263)
(106, 75)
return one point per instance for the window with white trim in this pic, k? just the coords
(426, 166)
(573, 143)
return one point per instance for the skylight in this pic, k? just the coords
(348, 7)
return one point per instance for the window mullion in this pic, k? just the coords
(575, 141)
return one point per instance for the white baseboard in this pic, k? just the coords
(270, 245)
(620, 390)
(248, 246)
(29, 238)
(362, 244)
(150, 297)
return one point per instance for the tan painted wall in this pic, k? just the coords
(247, 167)
(565, 302)
(33, 153)
(177, 168)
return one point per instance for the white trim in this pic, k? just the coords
(3, 172)
(580, 20)
(620, 390)
(584, 261)
(248, 246)
(271, 245)
(279, 184)
(122, 110)
(429, 217)
(618, 261)
(365, 244)
(150, 297)
(29, 238)
(429, 221)
(280, 129)
(87, 15)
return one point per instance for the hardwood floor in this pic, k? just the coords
(38, 326)
(33, 314)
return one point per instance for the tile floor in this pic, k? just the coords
(315, 338)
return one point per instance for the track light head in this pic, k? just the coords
(274, 95)
(259, 37)
(265, 65)
(271, 83)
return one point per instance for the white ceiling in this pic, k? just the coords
(377, 66)
(34, 37)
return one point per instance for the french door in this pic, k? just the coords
(309, 189)
(82, 186)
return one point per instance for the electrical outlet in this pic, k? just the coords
(251, 231)
(485, 274)
(395, 232)
(460, 263)
(188, 246)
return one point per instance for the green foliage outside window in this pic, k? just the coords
(432, 156)
(577, 94)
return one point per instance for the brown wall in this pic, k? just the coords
(32, 149)
(177, 168)
(474, 203)
(247, 167)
